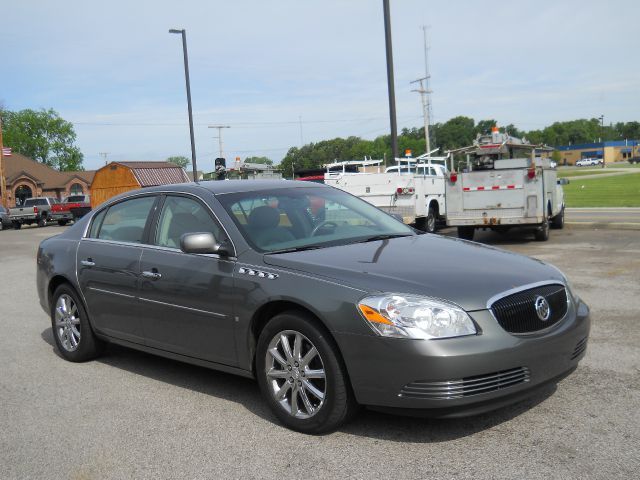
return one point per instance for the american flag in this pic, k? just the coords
(6, 151)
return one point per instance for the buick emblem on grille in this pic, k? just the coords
(542, 308)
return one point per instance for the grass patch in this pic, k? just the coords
(590, 171)
(617, 191)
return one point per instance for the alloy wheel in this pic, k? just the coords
(295, 374)
(67, 323)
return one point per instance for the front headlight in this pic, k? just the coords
(411, 316)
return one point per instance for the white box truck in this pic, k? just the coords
(414, 189)
(503, 185)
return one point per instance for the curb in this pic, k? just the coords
(604, 225)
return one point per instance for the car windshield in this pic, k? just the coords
(283, 220)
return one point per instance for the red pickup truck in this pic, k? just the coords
(71, 208)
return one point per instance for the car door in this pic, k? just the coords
(187, 298)
(108, 262)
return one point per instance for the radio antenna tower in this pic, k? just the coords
(425, 90)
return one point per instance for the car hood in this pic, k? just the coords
(462, 272)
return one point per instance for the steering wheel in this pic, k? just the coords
(322, 225)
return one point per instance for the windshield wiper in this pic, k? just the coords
(386, 236)
(295, 249)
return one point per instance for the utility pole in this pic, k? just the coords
(425, 91)
(390, 81)
(602, 135)
(3, 181)
(300, 120)
(104, 156)
(219, 137)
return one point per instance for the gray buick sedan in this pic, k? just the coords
(327, 301)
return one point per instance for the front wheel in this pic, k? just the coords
(42, 222)
(62, 223)
(558, 220)
(17, 225)
(74, 338)
(301, 375)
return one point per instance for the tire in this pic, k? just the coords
(322, 402)
(466, 233)
(42, 221)
(542, 232)
(430, 224)
(62, 223)
(17, 225)
(72, 332)
(558, 221)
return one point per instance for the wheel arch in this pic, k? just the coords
(275, 307)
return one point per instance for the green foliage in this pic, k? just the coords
(179, 160)
(455, 133)
(262, 160)
(43, 136)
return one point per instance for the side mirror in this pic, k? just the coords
(202, 242)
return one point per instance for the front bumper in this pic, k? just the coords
(382, 370)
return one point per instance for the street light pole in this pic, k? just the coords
(186, 76)
(390, 81)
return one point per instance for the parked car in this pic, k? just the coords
(328, 311)
(5, 221)
(634, 160)
(588, 162)
(33, 210)
(71, 208)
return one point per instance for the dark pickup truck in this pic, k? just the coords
(71, 208)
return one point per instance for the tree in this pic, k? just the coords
(43, 136)
(179, 160)
(262, 160)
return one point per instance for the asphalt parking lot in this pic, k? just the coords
(133, 415)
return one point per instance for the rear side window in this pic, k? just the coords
(125, 221)
(95, 224)
(182, 215)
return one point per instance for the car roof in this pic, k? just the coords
(220, 187)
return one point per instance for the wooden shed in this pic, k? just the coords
(120, 177)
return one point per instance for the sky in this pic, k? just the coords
(286, 73)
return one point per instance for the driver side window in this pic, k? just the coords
(182, 215)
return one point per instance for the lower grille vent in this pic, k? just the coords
(581, 346)
(466, 387)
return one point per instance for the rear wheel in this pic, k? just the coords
(430, 224)
(42, 222)
(73, 335)
(466, 233)
(542, 232)
(17, 225)
(301, 375)
(62, 223)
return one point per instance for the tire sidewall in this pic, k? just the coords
(335, 378)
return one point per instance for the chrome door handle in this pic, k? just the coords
(152, 275)
(88, 263)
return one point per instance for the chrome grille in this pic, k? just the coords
(465, 387)
(516, 313)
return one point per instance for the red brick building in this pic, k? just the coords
(27, 178)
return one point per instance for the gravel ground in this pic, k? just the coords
(133, 415)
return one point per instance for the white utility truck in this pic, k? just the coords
(502, 185)
(414, 189)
